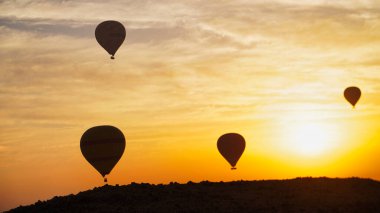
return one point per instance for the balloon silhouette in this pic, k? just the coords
(102, 146)
(110, 35)
(231, 146)
(352, 95)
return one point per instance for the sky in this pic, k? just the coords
(188, 72)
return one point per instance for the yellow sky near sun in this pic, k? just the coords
(188, 72)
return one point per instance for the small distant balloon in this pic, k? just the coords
(352, 95)
(231, 146)
(103, 146)
(110, 35)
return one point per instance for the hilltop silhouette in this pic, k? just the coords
(294, 195)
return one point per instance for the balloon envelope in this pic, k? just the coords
(110, 35)
(231, 146)
(352, 95)
(102, 146)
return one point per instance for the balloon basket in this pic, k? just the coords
(112, 57)
(105, 180)
(233, 168)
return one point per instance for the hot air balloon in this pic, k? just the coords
(352, 95)
(110, 35)
(102, 146)
(231, 146)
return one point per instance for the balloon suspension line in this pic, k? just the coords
(233, 168)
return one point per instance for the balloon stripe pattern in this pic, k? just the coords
(102, 147)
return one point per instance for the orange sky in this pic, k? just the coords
(188, 72)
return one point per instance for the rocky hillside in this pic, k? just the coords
(295, 195)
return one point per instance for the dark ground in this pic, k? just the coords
(295, 195)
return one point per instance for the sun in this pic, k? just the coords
(309, 139)
(309, 136)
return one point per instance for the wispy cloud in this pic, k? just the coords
(192, 45)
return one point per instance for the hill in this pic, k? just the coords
(295, 195)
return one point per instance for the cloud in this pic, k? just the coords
(46, 27)
(192, 43)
